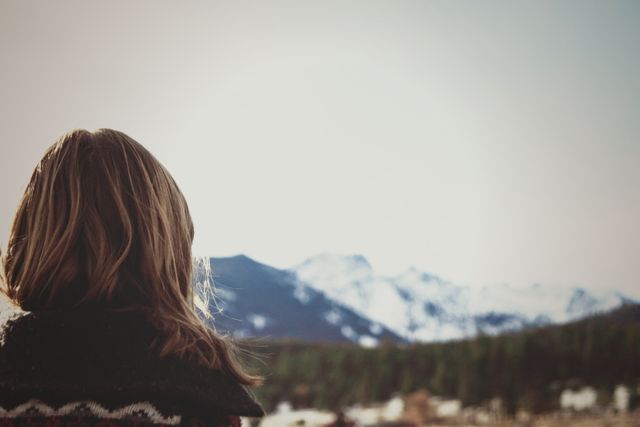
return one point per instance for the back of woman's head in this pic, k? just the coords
(102, 224)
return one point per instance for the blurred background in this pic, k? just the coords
(425, 211)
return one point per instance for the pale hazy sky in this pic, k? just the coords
(486, 142)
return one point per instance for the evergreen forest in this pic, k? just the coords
(526, 369)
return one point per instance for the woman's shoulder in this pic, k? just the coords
(60, 357)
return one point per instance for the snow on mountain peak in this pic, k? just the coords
(337, 260)
(329, 271)
(397, 302)
(422, 306)
(583, 302)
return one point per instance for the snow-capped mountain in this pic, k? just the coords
(423, 307)
(256, 300)
(416, 305)
(338, 298)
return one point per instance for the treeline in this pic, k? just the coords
(527, 370)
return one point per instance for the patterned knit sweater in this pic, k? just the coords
(95, 368)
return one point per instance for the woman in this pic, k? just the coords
(99, 262)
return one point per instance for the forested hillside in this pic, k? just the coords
(527, 369)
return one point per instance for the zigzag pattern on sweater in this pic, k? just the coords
(142, 411)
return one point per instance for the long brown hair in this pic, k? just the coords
(102, 223)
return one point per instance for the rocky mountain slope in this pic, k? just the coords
(255, 300)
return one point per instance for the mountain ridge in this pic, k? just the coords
(340, 298)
